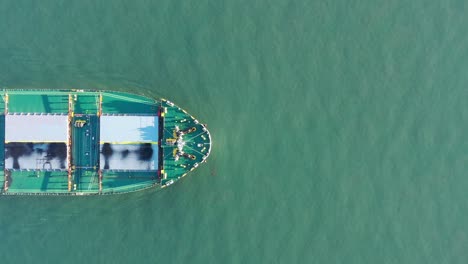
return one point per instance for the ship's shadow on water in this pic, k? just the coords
(19, 155)
(128, 157)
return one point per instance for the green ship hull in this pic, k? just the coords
(81, 142)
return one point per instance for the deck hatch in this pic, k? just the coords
(129, 142)
(36, 142)
(36, 128)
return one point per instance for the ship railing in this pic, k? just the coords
(6, 99)
(100, 180)
(6, 183)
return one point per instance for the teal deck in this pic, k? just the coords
(85, 142)
(118, 103)
(37, 103)
(83, 174)
(28, 182)
(115, 182)
(197, 143)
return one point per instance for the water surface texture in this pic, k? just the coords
(340, 129)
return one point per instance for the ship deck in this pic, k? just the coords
(94, 142)
(196, 143)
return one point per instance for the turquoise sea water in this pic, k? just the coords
(340, 129)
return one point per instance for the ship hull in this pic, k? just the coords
(80, 142)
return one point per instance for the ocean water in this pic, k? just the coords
(340, 129)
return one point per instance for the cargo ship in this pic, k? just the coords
(82, 142)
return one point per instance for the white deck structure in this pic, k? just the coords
(129, 129)
(125, 134)
(35, 128)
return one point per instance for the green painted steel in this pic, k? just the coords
(2, 153)
(2, 102)
(2, 181)
(37, 103)
(85, 142)
(34, 181)
(120, 103)
(86, 103)
(183, 142)
(86, 180)
(127, 181)
(196, 143)
(2, 142)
